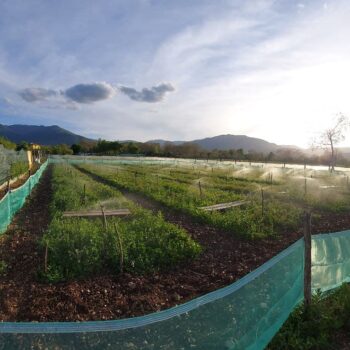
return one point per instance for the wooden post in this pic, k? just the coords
(305, 187)
(121, 258)
(45, 257)
(347, 181)
(200, 189)
(84, 194)
(104, 218)
(262, 202)
(307, 265)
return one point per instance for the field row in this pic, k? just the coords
(142, 243)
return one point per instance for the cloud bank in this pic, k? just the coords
(151, 95)
(37, 94)
(94, 92)
(90, 93)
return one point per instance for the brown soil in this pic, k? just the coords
(225, 259)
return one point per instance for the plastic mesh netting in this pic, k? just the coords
(14, 200)
(244, 315)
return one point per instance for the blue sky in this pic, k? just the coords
(184, 69)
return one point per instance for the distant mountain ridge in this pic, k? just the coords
(53, 135)
(228, 141)
(44, 135)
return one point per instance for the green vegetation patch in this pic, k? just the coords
(317, 326)
(77, 247)
(189, 189)
(18, 168)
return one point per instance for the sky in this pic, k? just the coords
(177, 70)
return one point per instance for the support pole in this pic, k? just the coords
(307, 265)
(104, 218)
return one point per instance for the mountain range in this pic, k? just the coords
(52, 135)
(227, 142)
(44, 135)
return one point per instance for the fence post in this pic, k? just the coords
(200, 189)
(307, 264)
(104, 217)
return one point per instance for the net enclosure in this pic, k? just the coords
(14, 200)
(244, 315)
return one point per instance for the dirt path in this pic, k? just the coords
(19, 249)
(225, 259)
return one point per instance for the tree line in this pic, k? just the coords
(192, 150)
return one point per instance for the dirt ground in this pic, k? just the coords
(225, 259)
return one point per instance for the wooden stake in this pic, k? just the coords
(104, 218)
(262, 202)
(307, 265)
(84, 194)
(200, 189)
(305, 187)
(45, 258)
(121, 258)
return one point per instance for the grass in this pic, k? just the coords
(188, 190)
(18, 168)
(315, 328)
(83, 247)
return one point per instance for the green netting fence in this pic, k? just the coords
(243, 315)
(14, 200)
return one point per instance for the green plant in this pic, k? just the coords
(3, 267)
(78, 247)
(316, 326)
(18, 168)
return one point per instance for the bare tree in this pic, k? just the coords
(332, 136)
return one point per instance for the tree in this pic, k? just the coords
(7, 143)
(76, 148)
(332, 136)
(22, 145)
